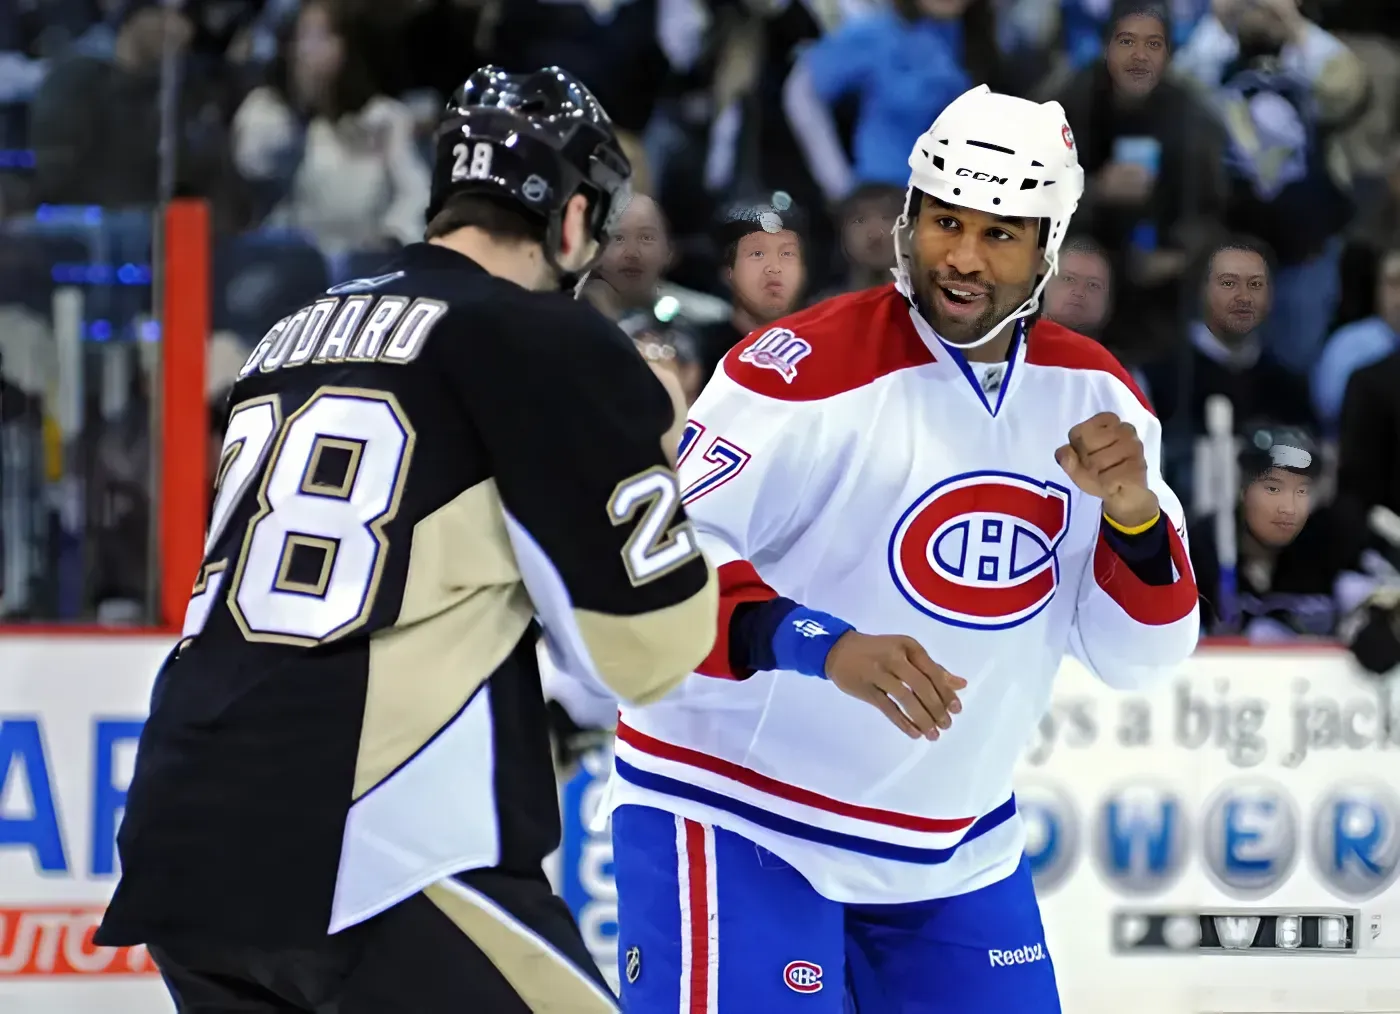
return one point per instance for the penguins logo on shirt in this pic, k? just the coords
(979, 550)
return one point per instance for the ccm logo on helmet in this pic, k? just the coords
(803, 977)
(979, 550)
(984, 177)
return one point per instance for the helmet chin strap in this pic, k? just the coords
(903, 276)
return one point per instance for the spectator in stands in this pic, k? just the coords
(1359, 344)
(1080, 295)
(629, 281)
(624, 52)
(96, 123)
(902, 66)
(637, 255)
(1083, 24)
(1291, 551)
(1284, 88)
(866, 219)
(330, 156)
(1151, 154)
(1227, 355)
(1368, 448)
(765, 271)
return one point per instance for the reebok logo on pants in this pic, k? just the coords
(1020, 956)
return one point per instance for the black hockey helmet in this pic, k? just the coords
(1269, 445)
(533, 139)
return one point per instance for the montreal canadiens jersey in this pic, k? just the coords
(850, 460)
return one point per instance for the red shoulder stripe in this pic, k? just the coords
(838, 345)
(1053, 345)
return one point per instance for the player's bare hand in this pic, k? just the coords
(671, 439)
(895, 674)
(1105, 458)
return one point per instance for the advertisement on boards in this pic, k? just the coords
(71, 711)
(1228, 843)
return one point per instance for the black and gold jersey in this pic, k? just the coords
(421, 470)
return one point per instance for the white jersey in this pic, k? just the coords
(849, 460)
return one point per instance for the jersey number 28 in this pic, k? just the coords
(329, 478)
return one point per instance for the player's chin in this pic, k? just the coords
(962, 330)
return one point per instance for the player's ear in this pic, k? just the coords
(575, 238)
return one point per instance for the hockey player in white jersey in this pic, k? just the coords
(919, 502)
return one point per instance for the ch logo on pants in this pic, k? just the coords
(634, 964)
(803, 977)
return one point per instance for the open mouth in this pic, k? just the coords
(960, 302)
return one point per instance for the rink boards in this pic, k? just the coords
(1250, 808)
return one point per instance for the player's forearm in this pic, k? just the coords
(1146, 550)
(1138, 617)
(759, 630)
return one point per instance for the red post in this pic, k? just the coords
(184, 472)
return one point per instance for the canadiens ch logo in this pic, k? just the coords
(979, 550)
(634, 964)
(803, 977)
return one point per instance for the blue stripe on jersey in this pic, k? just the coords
(797, 829)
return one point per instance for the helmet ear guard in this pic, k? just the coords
(1003, 156)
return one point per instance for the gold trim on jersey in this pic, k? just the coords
(545, 980)
(464, 609)
(328, 548)
(375, 527)
(339, 490)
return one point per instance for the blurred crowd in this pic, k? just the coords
(1239, 237)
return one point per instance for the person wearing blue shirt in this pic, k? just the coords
(902, 67)
(1358, 345)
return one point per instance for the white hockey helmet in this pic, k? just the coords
(1002, 155)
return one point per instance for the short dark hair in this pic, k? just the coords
(1245, 244)
(499, 218)
(1158, 9)
(1082, 243)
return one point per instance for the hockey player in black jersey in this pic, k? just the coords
(344, 791)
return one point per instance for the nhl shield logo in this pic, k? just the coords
(633, 964)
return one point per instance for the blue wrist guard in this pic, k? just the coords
(804, 638)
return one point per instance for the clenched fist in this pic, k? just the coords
(895, 674)
(1104, 458)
